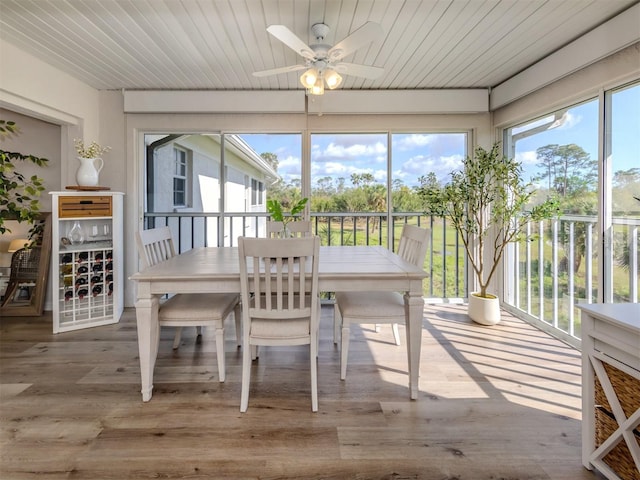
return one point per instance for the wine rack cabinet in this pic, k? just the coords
(87, 259)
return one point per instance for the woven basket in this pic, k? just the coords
(627, 390)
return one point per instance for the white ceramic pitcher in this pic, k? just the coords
(87, 174)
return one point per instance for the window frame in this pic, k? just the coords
(180, 162)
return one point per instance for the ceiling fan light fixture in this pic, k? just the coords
(317, 88)
(309, 78)
(333, 79)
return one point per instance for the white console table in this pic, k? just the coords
(611, 338)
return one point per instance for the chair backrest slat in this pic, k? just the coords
(279, 276)
(413, 245)
(155, 245)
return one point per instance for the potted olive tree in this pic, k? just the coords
(487, 203)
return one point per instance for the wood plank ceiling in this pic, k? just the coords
(217, 44)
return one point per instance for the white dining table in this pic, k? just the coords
(211, 269)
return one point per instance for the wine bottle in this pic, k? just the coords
(81, 281)
(98, 257)
(96, 290)
(96, 279)
(83, 256)
(68, 295)
(108, 267)
(110, 288)
(82, 292)
(67, 258)
(97, 267)
(109, 277)
(82, 269)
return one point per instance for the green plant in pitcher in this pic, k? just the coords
(277, 213)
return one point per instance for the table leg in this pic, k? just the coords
(414, 307)
(588, 392)
(148, 340)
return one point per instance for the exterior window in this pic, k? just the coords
(622, 186)
(257, 192)
(556, 267)
(180, 179)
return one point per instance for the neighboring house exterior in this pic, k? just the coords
(184, 175)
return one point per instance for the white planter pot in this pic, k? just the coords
(485, 311)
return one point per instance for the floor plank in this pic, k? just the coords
(498, 402)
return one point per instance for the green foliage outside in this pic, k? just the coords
(565, 170)
(569, 172)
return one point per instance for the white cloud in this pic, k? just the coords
(336, 150)
(527, 158)
(414, 140)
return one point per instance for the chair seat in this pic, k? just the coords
(271, 329)
(378, 307)
(373, 307)
(197, 307)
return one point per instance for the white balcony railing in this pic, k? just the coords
(546, 277)
(558, 267)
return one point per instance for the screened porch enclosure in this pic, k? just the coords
(213, 188)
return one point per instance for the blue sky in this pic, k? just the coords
(416, 154)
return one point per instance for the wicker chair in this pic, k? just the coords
(24, 270)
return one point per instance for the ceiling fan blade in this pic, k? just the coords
(276, 71)
(289, 38)
(365, 71)
(367, 33)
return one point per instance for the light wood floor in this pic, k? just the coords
(495, 403)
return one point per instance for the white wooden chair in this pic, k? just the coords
(189, 309)
(297, 228)
(280, 304)
(378, 307)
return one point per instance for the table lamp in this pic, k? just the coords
(17, 244)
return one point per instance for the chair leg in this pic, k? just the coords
(254, 352)
(220, 353)
(246, 377)
(176, 339)
(337, 323)
(344, 354)
(313, 358)
(237, 315)
(396, 334)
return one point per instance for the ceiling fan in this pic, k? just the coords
(323, 62)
